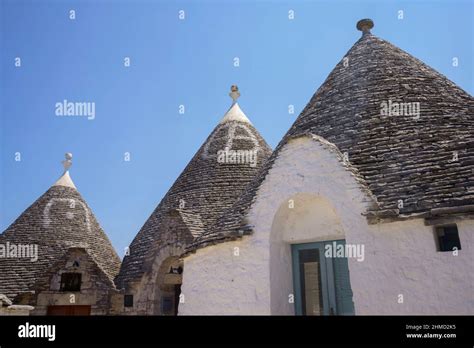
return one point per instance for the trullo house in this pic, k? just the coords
(55, 259)
(152, 273)
(365, 207)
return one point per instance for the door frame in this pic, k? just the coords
(326, 273)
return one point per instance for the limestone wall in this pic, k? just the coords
(96, 289)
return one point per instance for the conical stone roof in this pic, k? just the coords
(426, 161)
(60, 219)
(207, 187)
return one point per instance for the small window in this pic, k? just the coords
(448, 238)
(128, 300)
(71, 282)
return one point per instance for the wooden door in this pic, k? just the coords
(69, 310)
(322, 285)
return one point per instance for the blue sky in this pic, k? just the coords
(176, 62)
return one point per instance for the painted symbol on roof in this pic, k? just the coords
(229, 138)
(69, 215)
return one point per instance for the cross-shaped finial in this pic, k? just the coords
(234, 93)
(67, 163)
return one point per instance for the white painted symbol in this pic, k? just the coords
(69, 215)
(231, 129)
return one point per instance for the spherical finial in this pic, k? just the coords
(67, 163)
(364, 25)
(234, 93)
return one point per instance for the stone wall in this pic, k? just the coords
(96, 289)
(151, 287)
(22, 310)
(7, 308)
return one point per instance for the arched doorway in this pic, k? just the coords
(168, 286)
(303, 280)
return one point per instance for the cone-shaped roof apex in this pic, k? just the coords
(65, 179)
(211, 182)
(235, 113)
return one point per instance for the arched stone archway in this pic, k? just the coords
(157, 282)
(168, 286)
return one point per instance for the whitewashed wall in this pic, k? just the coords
(217, 282)
(400, 258)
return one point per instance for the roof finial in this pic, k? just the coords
(67, 163)
(234, 93)
(364, 25)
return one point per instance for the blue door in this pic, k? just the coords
(322, 284)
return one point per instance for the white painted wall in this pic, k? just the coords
(400, 257)
(218, 282)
